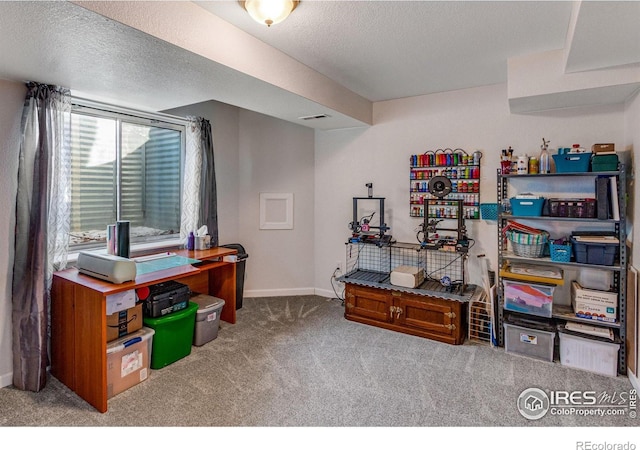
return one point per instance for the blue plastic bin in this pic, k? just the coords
(572, 162)
(603, 254)
(526, 206)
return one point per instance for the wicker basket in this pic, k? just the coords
(528, 245)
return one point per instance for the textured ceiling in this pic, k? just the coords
(333, 57)
(392, 49)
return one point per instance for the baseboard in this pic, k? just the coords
(6, 380)
(634, 380)
(278, 292)
(325, 293)
(287, 292)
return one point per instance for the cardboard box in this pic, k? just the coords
(121, 301)
(124, 322)
(128, 361)
(593, 304)
(407, 276)
(603, 148)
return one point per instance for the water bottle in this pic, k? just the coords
(191, 241)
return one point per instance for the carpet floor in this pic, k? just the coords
(296, 362)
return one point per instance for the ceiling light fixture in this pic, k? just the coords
(269, 12)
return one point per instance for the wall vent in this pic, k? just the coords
(316, 116)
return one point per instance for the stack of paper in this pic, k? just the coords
(535, 270)
(595, 239)
(590, 329)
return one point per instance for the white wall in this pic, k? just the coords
(276, 157)
(255, 153)
(471, 119)
(11, 99)
(632, 145)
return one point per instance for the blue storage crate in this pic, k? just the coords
(603, 254)
(572, 162)
(489, 211)
(526, 206)
(560, 252)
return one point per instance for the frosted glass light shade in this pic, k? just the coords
(269, 12)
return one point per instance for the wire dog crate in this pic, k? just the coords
(406, 254)
(444, 270)
(368, 262)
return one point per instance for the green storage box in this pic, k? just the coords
(173, 335)
(604, 163)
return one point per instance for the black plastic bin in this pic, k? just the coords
(240, 267)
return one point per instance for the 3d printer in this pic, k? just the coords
(363, 227)
(437, 210)
(447, 246)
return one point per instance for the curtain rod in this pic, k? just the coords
(151, 115)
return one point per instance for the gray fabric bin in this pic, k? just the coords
(207, 318)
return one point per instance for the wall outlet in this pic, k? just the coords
(339, 266)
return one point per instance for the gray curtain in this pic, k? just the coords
(42, 227)
(208, 194)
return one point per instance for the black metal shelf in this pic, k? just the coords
(612, 173)
(558, 219)
(545, 260)
(566, 313)
(618, 270)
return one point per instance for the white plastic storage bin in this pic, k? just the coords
(529, 341)
(589, 354)
(128, 360)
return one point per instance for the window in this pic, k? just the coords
(124, 166)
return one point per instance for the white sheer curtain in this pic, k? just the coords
(192, 180)
(199, 192)
(42, 226)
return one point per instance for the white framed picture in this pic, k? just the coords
(276, 211)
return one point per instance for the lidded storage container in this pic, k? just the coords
(128, 360)
(527, 338)
(528, 298)
(173, 335)
(590, 354)
(207, 318)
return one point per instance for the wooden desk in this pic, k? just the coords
(79, 316)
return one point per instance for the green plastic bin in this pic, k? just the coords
(173, 335)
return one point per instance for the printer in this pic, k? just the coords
(114, 269)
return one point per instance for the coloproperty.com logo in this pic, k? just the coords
(534, 403)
